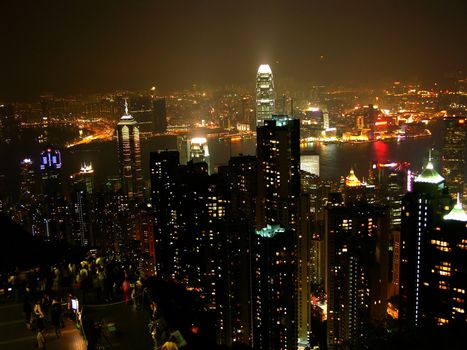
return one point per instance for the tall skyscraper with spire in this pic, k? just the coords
(129, 156)
(265, 95)
(422, 214)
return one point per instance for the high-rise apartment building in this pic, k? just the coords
(356, 236)
(278, 234)
(129, 156)
(265, 94)
(453, 153)
(164, 182)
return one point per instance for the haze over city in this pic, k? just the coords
(87, 46)
(245, 175)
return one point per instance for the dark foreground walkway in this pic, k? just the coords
(14, 334)
(132, 332)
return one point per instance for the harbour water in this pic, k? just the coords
(335, 159)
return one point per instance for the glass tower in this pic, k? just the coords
(265, 96)
(129, 156)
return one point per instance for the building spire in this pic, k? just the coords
(457, 213)
(126, 107)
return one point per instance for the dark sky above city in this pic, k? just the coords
(87, 46)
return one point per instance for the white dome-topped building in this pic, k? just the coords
(265, 94)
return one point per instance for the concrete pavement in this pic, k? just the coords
(14, 334)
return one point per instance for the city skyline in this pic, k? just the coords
(234, 175)
(88, 47)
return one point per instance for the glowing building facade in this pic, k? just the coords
(82, 202)
(265, 95)
(129, 156)
(446, 282)
(422, 212)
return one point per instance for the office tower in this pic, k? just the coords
(193, 149)
(391, 180)
(199, 151)
(82, 202)
(164, 181)
(310, 163)
(325, 120)
(453, 154)
(54, 206)
(422, 212)
(159, 121)
(129, 156)
(265, 95)
(356, 271)
(278, 232)
(50, 171)
(445, 284)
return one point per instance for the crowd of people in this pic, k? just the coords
(46, 290)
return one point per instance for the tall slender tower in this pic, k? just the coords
(129, 156)
(422, 212)
(82, 202)
(265, 96)
(278, 231)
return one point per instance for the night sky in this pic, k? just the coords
(88, 46)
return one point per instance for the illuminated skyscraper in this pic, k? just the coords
(29, 215)
(453, 154)
(265, 95)
(82, 200)
(446, 282)
(50, 170)
(422, 212)
(193, 149)
(54, 207)
(129, 156)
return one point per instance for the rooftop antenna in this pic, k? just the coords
(126, 107)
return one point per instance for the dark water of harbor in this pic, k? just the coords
(335, 159)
